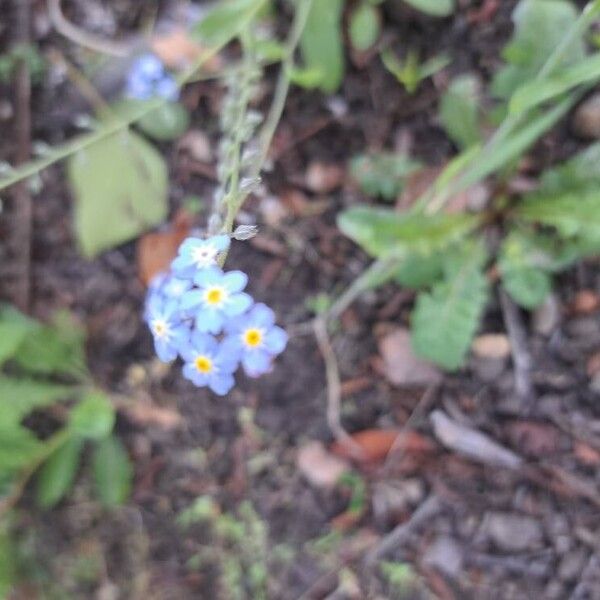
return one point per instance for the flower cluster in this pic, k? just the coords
(200, 313)
(148, 78)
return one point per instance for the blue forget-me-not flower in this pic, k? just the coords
(148, 78)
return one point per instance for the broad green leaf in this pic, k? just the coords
(19, 397)
(382, 231)
(18, 448)
(226, 20)
(540, 26)
(445, 320)
(168, 122)
(364, 26)
(308, 78)
(579, 173)
(120, 187)
(54, 349)
(7, 561)
(459, 111)
(435, 8)
(533, 93)
(322, 44)
(94, 416)
(419, 271)
(14, 327)
(383, 174)
(58, 473)
(113, 472)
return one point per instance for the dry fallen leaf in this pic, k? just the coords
(156, 250)
(375, 444)
(400, 365)
(533, 438)
(177, 49)
(321, 468)
(586, 454)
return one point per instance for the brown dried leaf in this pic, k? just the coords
(321, 468)
(156, 250)
(585, 454)
(176, 49)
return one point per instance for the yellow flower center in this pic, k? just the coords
(253, 337)
(203, 364)
(215, 295)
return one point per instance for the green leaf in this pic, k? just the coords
(113, 472)
(307, 78)
(383, 174)
(120, 185)
(226, 20)
(54, 349)
(19, 397)
(94, 417)
(419, 271)
(18, 448)
(579, 173)
(382, 231)
(540, 26)
(435, 8)
(459, 111)
(445, 320)
(533, 93)
(14, 327)
(7, 561)
(168, 122)
(364, 26)
(321, 43)
(56, 476)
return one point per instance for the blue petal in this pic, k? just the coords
(208, 276)
(231, 346)
(276, 340)
(183, 266)
(256, 362)
(209, 321)
(261, 316)
(191, 299)
(235, 325)
(189, 245)
(190, 372)
(204, 343)
(228, 357)
(167, 88)
(165, 351)
(221, 384)
(220, 242)
(235, 281)
(188, 352)
(237, 304)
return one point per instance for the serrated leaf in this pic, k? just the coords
(94, 416)
(18, 448)
(540, 26)
(383, 174)
(226, 20)
(445, 320)
(364, 26)
(533, 93)
(54, 349)
(113, 472)
(14, 327)
(459, 111)
(120, 187)
(56, 477)
(19, 397)
(382, 231)
(435, 8)
(321, 43)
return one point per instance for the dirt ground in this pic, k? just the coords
(459, 526)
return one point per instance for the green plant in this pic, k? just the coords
(445, 256)
(410, 72)
(43, 373)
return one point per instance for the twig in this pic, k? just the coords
(83, 38)
(21, 194)
(518, 346)
(334, 391)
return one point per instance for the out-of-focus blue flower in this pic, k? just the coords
(218, 298)
(148, 78)
(163, 287)
(256, 339)
(208, 363)
(168, 331)
(195, 254)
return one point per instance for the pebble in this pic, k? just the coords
(583, 327)
(487, 369)
(586, 120)
(393, 498)
(445, 555)
(512, 532)
(572, 564)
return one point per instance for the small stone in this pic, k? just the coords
(586, 120)
(572, 564)
(273, 211)
(491, 345)
(320, 468)
(585, 302)
(487, 369)
(445, 555)
(583, 327)
(554, 591)
(323, 178)
(393, 499)
(511, 532)
(197, 144)
(546, 317)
